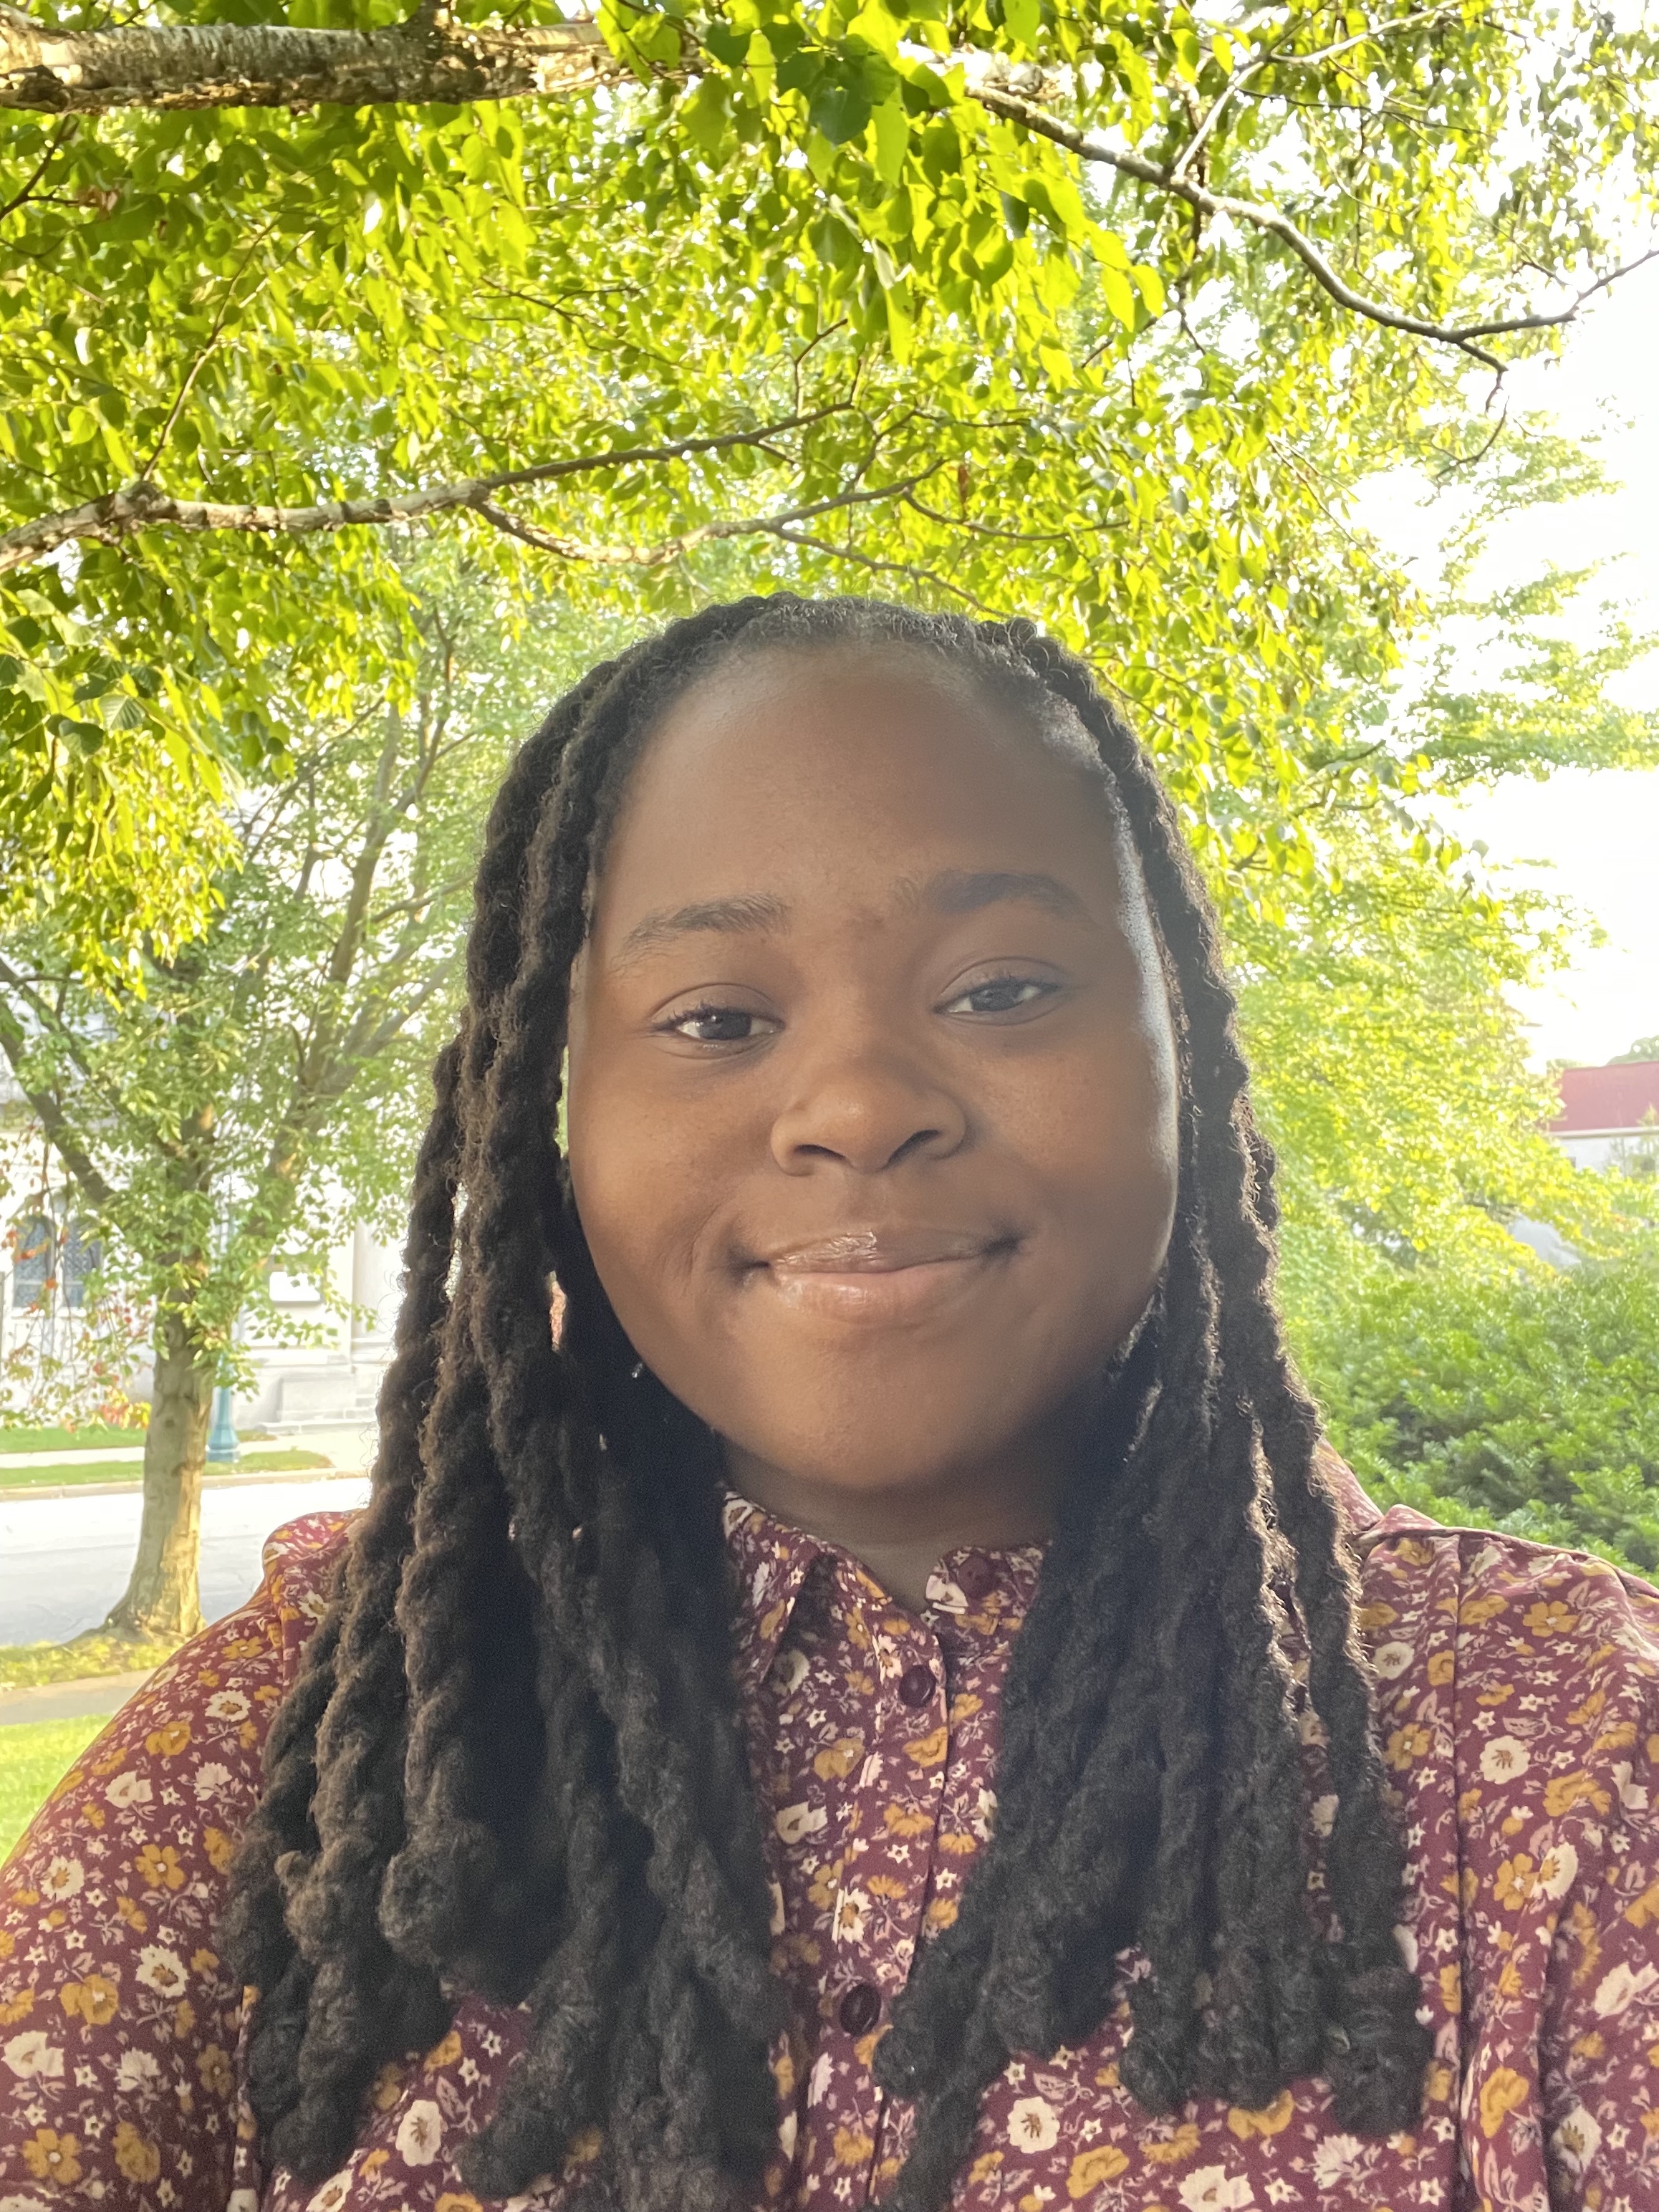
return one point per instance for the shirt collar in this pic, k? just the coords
(972, 1591)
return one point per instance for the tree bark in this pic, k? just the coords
(163, 1598)
(429, 60)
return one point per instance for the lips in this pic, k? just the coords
(881, 1251)
(881, 1274)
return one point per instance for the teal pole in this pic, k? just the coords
(223, 1449)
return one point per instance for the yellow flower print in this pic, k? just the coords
(1549, 1619)
(958, 1846)
(1375, 1616)
(456, 2200)
(928, 1750)
(1443, 1665)
(852, 2147)
(157, 1867)
(134, 1915)
(1092, 2167)
(17, 2008)
(1514, 1884)
(219, 1848)
(840, 1758)
(1273, 2119)
(1183, 2143)
(1406, 1745)
(203, 1961)
(964, 1708)
(1563, 1791)
(898, 1822)
(1474, 1611)
(1643, 1908)
(1501, 2093)
(883, 1885)
(442, 2054)
(388, 2086)
(1451, 1988)
(1591, 1710)
(941, 1913)
(167, 1742)
(214, 2066)
(52, 2157)
(983, 2167)
(95, 2000)
(1438, 2083)
(137, 2157)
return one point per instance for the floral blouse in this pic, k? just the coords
(1519, 1715)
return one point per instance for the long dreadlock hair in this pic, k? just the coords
(512, 1762)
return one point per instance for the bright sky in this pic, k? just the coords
(1594, 837)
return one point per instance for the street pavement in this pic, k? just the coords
(64, 1561)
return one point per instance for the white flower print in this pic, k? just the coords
(1503, 1758)
(796, 1822)
(1632, 1795)
(333, 2194)
(1408, 1942)
(1617, 1991)
(1033, 2124)
(1333, 2156)
(242, 2200)
(1322, 1812)
(229, 1705)
(780, 1915)
(127, 1790)
(852, 1911)
(419, 2133)
(162, 1970)
(790, 1672)
(1555, 1875)
(136, 2071)
(1577, 2139)
(211, 1779)
(1392, 1660)
(22, 2205)
(1310, 1728)
(1212, 2189)
(62, 1880)
(30, 2055)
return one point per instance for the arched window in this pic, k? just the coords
(34, 1262)
(83, 1255)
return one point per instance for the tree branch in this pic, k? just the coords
(142, 505)
(671, 549)
(14, 1043)
(1001, 100)
(430, 60)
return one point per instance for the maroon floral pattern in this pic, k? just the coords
(1519, 1714)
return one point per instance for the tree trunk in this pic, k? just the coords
(432, 59)
(163, 1598)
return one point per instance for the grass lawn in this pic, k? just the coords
(34, 1755)
(51, 1440)
(53, 1472)
(29, 1666)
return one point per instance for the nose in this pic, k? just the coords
(865, 1105)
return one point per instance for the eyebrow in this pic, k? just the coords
(754, 912)
(954, 890)
(960, 890)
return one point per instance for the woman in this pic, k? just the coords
(871, 1706)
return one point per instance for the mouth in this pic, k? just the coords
(881, 1274)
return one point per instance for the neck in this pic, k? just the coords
(900, 1532)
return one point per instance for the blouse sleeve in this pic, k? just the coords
(1558, 1689)
(118, 2020)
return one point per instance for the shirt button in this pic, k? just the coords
(861, 2008)
(916, 1685)
(975, 1577)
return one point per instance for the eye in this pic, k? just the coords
(1002, 995)
(712, 1025)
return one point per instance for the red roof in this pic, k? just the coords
(1619, 1098)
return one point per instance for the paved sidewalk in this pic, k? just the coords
(68, 1701)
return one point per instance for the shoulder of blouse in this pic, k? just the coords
(118, 2019)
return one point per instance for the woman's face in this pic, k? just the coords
(873, 1092)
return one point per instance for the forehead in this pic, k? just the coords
(847, 763)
